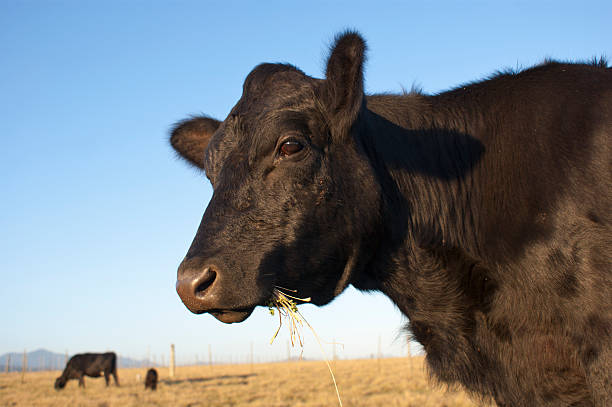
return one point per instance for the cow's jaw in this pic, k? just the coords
(232, 316)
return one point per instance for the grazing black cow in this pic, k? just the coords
(89, 364)
(151, 379)
(484, 213)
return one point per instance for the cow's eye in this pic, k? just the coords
(290, 147)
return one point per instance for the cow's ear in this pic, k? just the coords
(342, 91)
(190, 137)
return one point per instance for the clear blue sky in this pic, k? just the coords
(96, 212)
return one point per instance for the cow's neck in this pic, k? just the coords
(429, 262)
(427, 162)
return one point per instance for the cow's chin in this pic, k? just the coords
(232, 316)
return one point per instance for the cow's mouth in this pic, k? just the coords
(201, 296)
(232, 316)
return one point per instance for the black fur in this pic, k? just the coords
(151, 379)
(483, 212)
(89, 364)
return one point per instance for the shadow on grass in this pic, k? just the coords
(192, 380)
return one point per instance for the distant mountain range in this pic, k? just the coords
(43, 359)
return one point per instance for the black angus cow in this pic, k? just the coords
(484, 213)
(151, 379)
(89, 364)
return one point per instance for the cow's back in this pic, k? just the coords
(92, 364)
(523, 190)
(545, 190)
(547, 161)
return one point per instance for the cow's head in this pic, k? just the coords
(60, 383)
(294, 199)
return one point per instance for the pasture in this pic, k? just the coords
(368, 382)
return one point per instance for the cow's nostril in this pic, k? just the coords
(204, 281)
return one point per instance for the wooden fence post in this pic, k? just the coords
(409, 351)
(379, 352)
(334, 350)
(172, 360)
(8, 362)
(24, 366)
(209, 356)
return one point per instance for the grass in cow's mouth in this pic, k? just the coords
(287, 307)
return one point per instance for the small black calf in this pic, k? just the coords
(151, 379)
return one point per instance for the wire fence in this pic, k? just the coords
(49, 361)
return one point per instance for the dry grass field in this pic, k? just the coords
(388, 382)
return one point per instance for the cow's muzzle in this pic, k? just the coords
(201, 292)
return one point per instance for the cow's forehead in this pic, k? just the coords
(270, 76)
(272, 95)
(272, 86)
